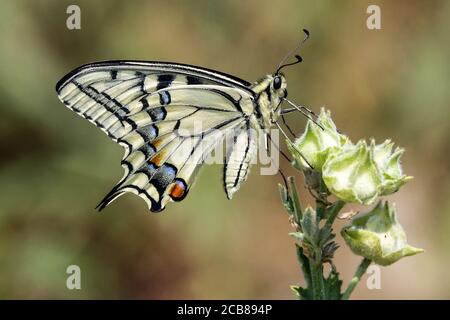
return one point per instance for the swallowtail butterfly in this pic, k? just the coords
(150, 108)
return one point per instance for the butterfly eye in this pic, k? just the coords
(277, 82)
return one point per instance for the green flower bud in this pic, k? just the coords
(352, 175)
(362, 173)
(316, 143)
(378, 236)
(389, 163)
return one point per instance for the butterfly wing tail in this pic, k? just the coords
(110, 197)
(118, 190)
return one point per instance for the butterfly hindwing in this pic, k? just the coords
(168, 117)
(167, 170)
(239, 156)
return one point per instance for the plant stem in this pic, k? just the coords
(316, 276)
(356, 278)
(304, 263)
(333, 211)
(295, 200)
(323, 294)
(315, 238)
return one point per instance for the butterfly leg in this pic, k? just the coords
(287, 126)
(304, 110)
(293, 145)
(269, 138)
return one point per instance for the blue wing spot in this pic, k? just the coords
(148, 133)
(152, 167)
(163, 177)
(148, 150)
(164, 98)
(149, 170)
(157, 114)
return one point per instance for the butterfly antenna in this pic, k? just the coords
(282, 63)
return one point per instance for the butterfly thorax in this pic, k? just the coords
(270, 91)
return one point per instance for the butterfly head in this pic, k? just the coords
(270, 90)
(278, 83)
(277, 87)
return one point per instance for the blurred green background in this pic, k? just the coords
(55, 166)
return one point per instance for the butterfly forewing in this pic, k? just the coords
(168, 117)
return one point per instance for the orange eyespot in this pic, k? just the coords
(178, 190)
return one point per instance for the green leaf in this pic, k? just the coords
(325, 235)
(296, 207)
(305, 294)
(302, 293)
(286, 199)
(309, 225)
(304, 263)
(333, 286)
(333, 211)
(297, 236)
(296, 290)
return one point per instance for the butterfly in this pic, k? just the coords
(151, 109)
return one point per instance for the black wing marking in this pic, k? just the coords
(194, 73)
